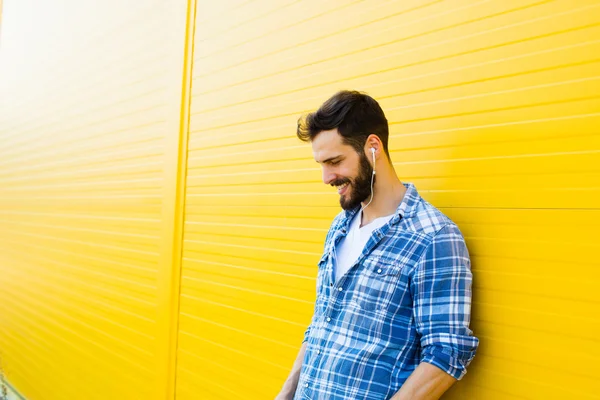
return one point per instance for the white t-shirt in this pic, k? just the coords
(350, 247)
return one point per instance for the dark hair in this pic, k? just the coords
(355, 115)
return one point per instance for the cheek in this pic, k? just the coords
(350, 174)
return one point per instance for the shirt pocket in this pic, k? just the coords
(376, 284)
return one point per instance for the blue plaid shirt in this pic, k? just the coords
(406, 300)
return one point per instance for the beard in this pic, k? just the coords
(360, 187)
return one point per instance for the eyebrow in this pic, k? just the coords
(330, 159)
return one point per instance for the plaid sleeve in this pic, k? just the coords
(312, 321)
(441, 288)
(306, 333)
(332, 228)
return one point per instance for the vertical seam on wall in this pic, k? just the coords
(184, 134)
(181, 41)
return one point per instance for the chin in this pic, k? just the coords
(348, 205)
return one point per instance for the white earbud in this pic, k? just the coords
(373, 152)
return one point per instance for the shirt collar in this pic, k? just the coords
(406, 209)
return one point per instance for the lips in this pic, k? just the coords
(343, 188)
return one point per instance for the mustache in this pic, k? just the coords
(340, 182)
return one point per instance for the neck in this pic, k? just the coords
(388, 194)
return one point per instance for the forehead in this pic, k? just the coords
(328, 144)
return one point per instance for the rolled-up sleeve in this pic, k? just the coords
(441, 287)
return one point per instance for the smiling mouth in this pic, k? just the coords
(342, 188)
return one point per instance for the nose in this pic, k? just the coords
(328, 176)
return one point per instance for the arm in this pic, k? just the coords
(425, 383)
(289, 387)
(441, 291)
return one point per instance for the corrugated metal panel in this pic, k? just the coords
(494, 113)
(89, 93)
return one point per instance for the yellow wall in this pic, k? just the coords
(495, 113)
(106, 203)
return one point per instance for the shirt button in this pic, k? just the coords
(331, 284)
(379, 271)
(340, 289)
(306, 385)
(318, 352)
(328, 319)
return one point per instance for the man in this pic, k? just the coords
(393, 303)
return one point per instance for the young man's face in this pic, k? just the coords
(345, 169)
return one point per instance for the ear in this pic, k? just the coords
(373, 142)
